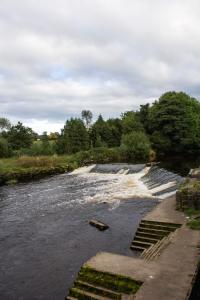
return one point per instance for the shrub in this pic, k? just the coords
(38, 161)
(39, 148)
(4, 148)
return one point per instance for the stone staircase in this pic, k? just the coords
(96, 285)
(152, 234)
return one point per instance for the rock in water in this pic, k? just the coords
(101, 226)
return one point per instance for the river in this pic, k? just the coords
(44, 232)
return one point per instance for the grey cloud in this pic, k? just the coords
(57, 58)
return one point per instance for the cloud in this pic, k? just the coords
(57, 58)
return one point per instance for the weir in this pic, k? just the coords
(143, 180)
(162, 238)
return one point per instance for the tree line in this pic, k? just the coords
(169, 126)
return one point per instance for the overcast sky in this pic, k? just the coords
(60, 57)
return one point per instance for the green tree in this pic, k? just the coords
(100, 133)
(4, 124)
(174, 124)
(87, 117)
(136, 146)
(74, 137)
(115, 127)
(20, 136)
(143, 115)
(131, 122)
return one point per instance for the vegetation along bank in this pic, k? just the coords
(168, 127)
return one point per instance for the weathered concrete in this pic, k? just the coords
(166, 212)
(170, 276)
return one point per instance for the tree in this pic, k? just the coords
(100, 133)
(131, 122)
(74, 137)
(174, 124)
(4, 124)
(137, 147)
(143, 115)
(20, 136)
(115, 127)
(87, 117)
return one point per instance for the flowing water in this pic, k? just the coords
(44, 232)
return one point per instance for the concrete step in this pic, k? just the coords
(173, 225)
(149, 235)
(155, 226)
(137, 248)
(83, 295)
(138, 237)
(88, 287)
(70, 298)
(142, 244)
(153, 230)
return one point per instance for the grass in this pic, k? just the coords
(194, 218)
(13, 170)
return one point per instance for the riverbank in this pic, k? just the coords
(171, 273)
(13, 170)
(25, 168)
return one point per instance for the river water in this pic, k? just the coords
(44, 232)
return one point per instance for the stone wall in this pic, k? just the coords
(187, 199)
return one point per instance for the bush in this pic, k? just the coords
(38, 161)
(135, 147)
(39, 148)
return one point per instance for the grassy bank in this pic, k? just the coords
(24, 168)
(13, 170)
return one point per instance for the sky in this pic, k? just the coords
(60, 57)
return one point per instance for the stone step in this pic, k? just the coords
(142, 244)
(159, 227)
(174, 225)
(137, 248)
(83, 295)
(149, 235)
(153, 230)
(96, 289)
(145, 239)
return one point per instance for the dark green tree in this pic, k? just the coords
(20, 136)
(143, 115)
(100, 133)
(174, 124)
(74, 137)
(131, 122)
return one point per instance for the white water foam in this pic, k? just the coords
(82, 170)
(120, 186)
(116, 187)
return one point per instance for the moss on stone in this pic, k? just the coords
(113, 282)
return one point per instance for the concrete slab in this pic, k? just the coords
(135, 268)
(170, 276)
(166, 212)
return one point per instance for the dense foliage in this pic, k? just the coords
(174, 124)
(169, 126)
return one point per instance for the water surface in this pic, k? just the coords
(44, 232)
